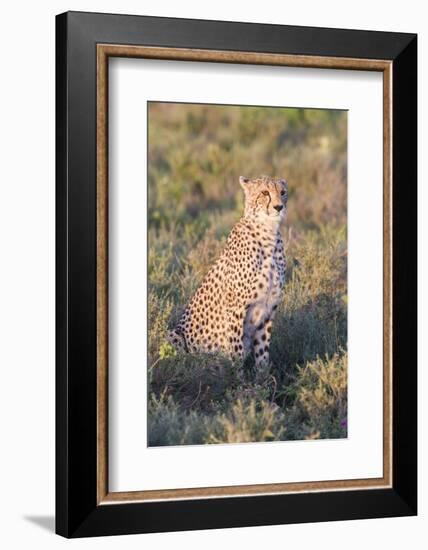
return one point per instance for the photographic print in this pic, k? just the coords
(205, 303)
(247, 274)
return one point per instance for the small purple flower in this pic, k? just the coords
(344, 423)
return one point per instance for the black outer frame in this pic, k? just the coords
(77, 513)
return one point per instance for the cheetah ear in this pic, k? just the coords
(244, 181)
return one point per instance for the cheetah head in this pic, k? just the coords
(265, 197)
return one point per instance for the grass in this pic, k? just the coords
(196, 155)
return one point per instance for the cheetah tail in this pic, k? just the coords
(176, 338)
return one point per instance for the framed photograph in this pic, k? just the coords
(236, 274)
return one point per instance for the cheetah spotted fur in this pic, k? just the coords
(233, 309)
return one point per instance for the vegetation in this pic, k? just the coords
(196, 155)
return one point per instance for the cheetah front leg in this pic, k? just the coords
(262, 339)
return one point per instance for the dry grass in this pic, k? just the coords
(196, 154)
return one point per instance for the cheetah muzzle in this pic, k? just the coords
(233, 309)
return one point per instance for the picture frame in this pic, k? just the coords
(84, 44)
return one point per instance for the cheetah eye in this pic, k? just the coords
(266, 193)
(282, 192)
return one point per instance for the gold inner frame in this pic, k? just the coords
(104, 51)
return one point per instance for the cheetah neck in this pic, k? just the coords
(270, 227)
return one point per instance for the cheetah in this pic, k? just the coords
(233, 309)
